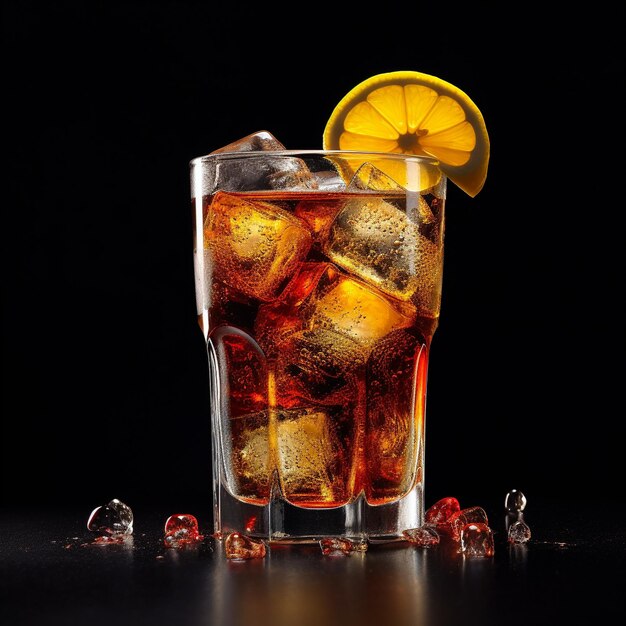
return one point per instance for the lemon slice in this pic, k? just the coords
(413, 113)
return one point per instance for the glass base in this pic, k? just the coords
(283, 523)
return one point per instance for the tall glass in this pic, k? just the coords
(318, 282)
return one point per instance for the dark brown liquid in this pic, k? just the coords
(321, 308)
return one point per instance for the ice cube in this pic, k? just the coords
(424, 537)
(318, 366)
(383, 173)
(396, 386)
(519, 532)
(261, 173)
(247, 445)
(515, 501)
(353, 308)
(259, 141)
(319, 214)
(424, 209)
(241, 547)
(278, 320)
(323, 297)
(369, 177)
(417, 208)
(441, 512)
(254, 246)
(477, 540)
(341, 546)
(375, 240)
(114, 518)
(329, 181)
(316, 447)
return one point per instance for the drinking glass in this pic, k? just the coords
(318, 283)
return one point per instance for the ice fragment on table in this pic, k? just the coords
(181, 530)
(241, 547)
(519, 532)
(424, 537)
(515, 501)
(114, 518)
(341, 546)
(477, 540)
(376, 241)
(254, 246)
(441, 512)
(457, 521)
(271, 172)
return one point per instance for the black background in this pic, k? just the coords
(105, 376)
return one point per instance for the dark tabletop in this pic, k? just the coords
(571, 572)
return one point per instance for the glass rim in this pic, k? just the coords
(394, 156)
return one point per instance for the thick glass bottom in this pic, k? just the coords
(281, 522)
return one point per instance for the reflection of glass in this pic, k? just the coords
(303, 587)
(319, 301)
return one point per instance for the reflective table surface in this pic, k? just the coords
(571, 572)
